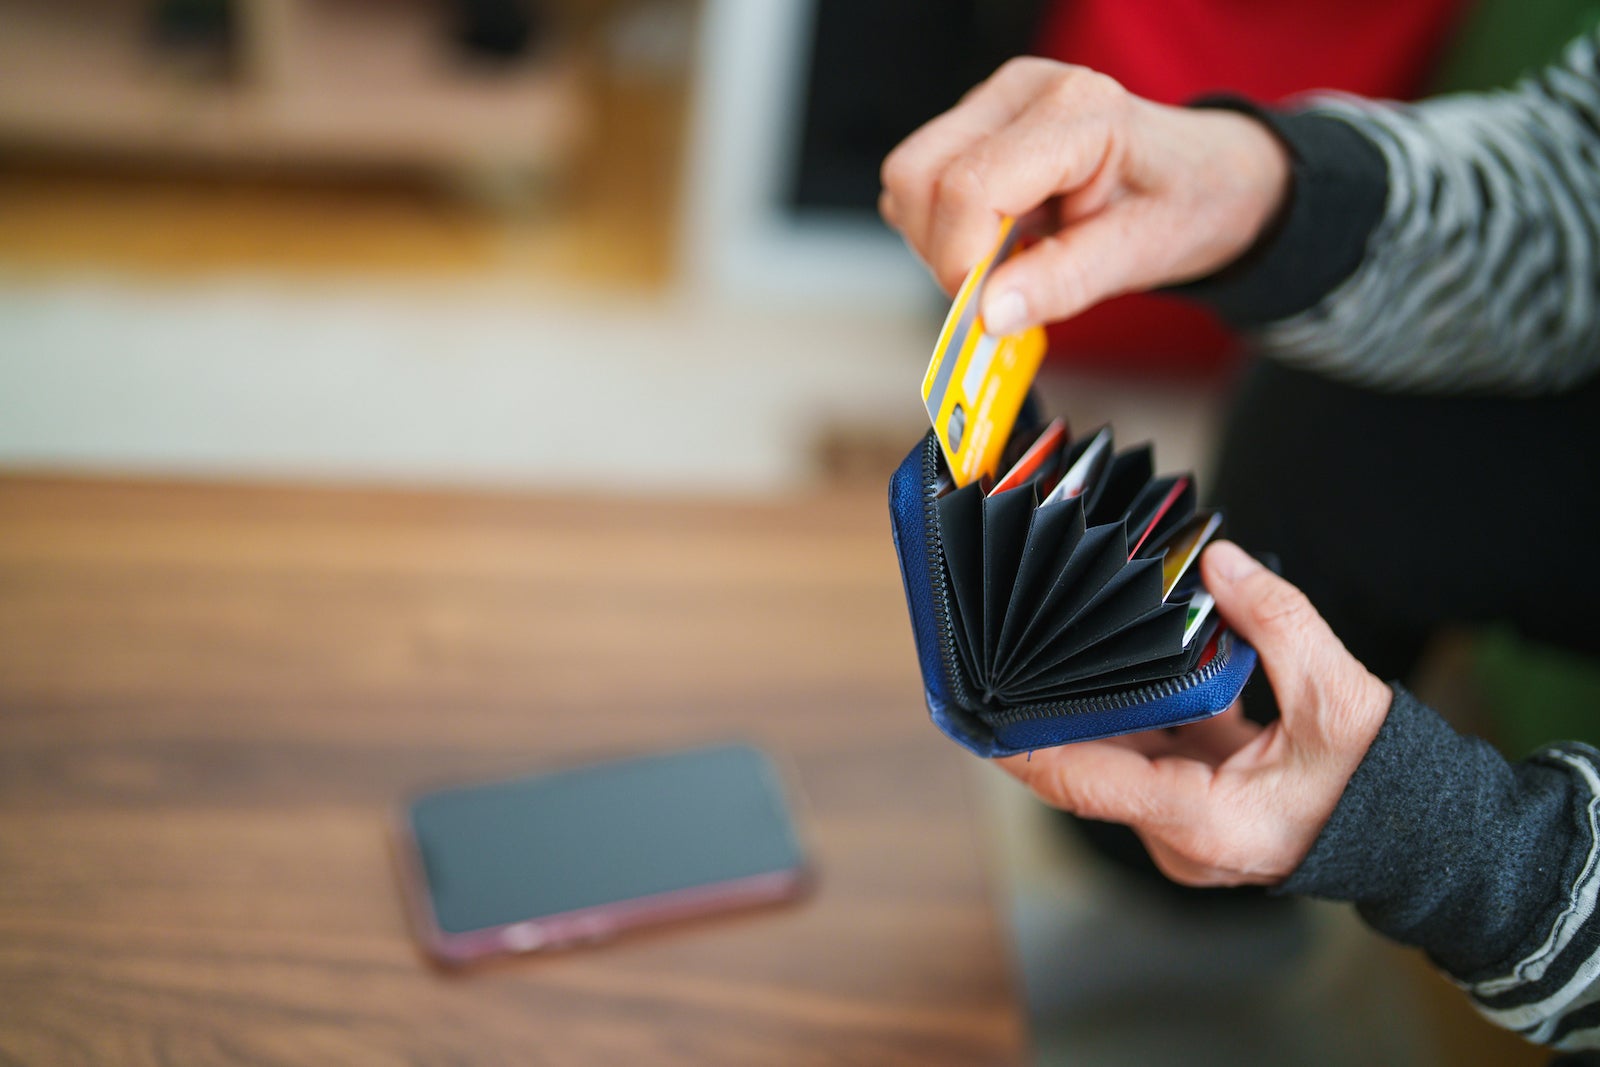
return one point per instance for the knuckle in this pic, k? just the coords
(1054, 788)
(1023, 68)
(1071, 83)
(1209, 844)
(1173, 863)
(1064, 89)
(1088, 800)
(898, 172)
(1111, 801)
(886, 208)
(1072, 287)
(1068, 284)
(1079, 91)
(1281, 606)
(1176, 871)
(1043, 779)
(1102, 87)
(1062, 789)
(960, 184)
(1206, 850)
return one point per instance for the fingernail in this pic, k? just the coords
(1006, 313)
(1232, 562)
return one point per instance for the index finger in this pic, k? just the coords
(1063, 143)
(910, 171)
(1114, 783)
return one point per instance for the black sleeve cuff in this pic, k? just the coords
(1338, 191)
(1443, 844)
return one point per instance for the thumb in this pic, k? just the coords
(1059, 276)
(1322, 690)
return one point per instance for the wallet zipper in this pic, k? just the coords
(1122, 698)
(935, 549)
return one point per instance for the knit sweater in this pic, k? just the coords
(1452, 246)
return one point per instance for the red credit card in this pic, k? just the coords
(1044, 448)
(1155, 520)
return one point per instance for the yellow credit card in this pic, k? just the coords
(1184, 548)
(976, 383)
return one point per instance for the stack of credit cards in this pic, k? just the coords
(1073, 567)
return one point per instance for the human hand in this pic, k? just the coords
(1225, 801)
(1137, 194)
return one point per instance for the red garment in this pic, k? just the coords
(1175, 50)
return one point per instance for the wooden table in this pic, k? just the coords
(211, 698)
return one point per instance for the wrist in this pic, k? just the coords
(1224, 177)
(1333, 198)
(1253, 174)
(1347, 734)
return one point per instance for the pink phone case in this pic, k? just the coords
(584, 925)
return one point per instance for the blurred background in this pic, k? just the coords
(529, 242)
(359, 239)
(374, 240)
(631, 246)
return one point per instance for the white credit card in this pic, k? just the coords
(1200, 606)
(1082, 474)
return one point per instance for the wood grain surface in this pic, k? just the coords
(212, 698)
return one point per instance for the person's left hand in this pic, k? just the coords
(1225, 801)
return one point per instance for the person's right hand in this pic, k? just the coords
(1138, 195)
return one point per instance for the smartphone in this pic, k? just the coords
(578, 855)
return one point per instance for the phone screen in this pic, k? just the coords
(578, 841)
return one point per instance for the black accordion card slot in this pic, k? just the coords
(1060, 599)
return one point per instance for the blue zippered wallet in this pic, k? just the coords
(1042, 626)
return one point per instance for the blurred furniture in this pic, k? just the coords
(318, 85)
(212, 699)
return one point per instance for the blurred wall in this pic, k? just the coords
(639, 316)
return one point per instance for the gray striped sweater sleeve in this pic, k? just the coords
(1483, 272)
(1492, 867)
(1452, 246)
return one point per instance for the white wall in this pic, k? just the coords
(774, 328)
(256, 376)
